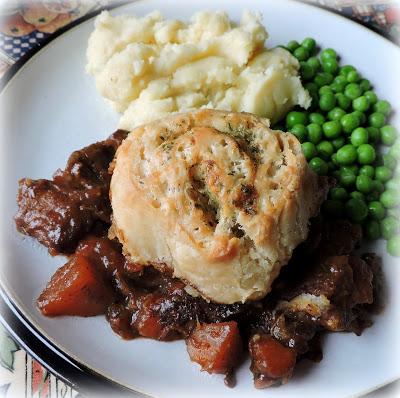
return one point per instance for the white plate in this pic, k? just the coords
(51, 108)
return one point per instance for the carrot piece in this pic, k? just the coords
(216, 347)
(77, 288)
(271, 361)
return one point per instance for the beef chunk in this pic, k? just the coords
(60, 212)
(52, 215)
(120, 318)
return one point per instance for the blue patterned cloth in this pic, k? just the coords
(16, 47)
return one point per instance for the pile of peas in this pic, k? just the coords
(340, 134)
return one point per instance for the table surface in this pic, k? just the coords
(21, 375)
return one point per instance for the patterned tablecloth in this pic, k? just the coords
(25, 26)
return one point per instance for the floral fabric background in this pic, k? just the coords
(24, 25)
(23, 377)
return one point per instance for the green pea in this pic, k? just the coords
(309, 44)
(352, 91)
(365, 84)
(314, 133)
(311, 87)
(300, 131)
(361, 104)
(344, 70)
(394, 213)
(393, 184)
(359, 136)
(347, 154)
(332, 129)
(393, 246)
(350, 169)
(366, 154)
(388, 135)
(371, 97)
(336, 114)
(378, 186)
(343, 101)
(389, 161)
(353, 76)
(327, 101)
(383, 174)
(390, 198)
(377, 119)
(395, 150)
(372, 229)
(330, 65)
(325, 90)
(314, 63)
(292, 45)
(347, 179)
(338, 193)
(389, 227)
(373, 134)
(367, 170)
(309, 150)
(349, 123)
(325, 149)
(317, 118)
(364, 183)
(338, 142)
(323, 79)
(361, 117)
(333, 208)
(338, 87)
(295, 117)
(340, 79)
(306, 71)
(319, 166)
(328, 53)
(376, 210)
(301, 53)
(383, 106)
(357, 195)
(356, 210)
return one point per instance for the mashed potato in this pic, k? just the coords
(149, 67)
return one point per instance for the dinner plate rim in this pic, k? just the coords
(70, 370)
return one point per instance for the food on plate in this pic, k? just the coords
(324, 286)
(206, 225)
(58, 213)
(341, 135)
(218, 198)
(149, 67)
(77, 288)
(216, 347)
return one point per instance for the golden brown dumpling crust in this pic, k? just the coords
(218, 197)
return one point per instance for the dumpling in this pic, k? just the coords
(216, 198)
